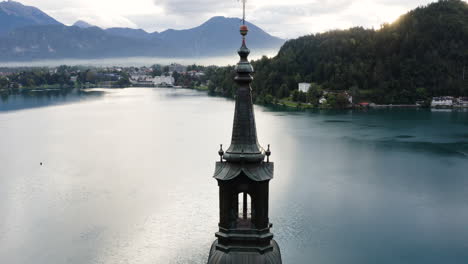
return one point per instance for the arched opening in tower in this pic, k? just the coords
(244, 215)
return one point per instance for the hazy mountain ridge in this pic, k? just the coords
(14, 15)
(58, 41)
(131, 33)
(218, 35)
(42, 37)
(82, 24)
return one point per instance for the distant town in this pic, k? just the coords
(14, 80)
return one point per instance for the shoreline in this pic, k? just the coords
(283, 103)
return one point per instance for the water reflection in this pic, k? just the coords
(127, 179)
(11, 102)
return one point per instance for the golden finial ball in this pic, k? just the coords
(243, 30)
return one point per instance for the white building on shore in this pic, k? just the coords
(141, 79)
(164, 81)
(444, 101)
(304, 87)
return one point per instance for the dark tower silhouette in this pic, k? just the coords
(243, 178)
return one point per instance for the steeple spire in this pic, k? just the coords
(243, 179)
(244, 143)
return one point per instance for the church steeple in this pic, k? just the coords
(244, 142)
(243, 178)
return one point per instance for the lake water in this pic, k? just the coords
(127, 178)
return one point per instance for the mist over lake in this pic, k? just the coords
(141, 61)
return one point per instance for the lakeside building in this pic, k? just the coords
(449, 101)
(304, 87)
(147, 80)
(443, 101)
(163, 81)
(140, 79)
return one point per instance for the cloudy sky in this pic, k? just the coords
(287, 19)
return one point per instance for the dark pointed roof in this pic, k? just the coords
(244, 144)
(256, 172)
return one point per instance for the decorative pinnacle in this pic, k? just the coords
(268, 153)
(244, 30)
(221, 152)
(244, 68)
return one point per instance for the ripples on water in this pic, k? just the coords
(126, 178)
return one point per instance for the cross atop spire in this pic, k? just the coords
(243, 13)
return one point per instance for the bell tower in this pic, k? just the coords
(243, 174)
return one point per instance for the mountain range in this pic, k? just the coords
(14, 15)
(27, 33)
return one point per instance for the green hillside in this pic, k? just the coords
(422, 54)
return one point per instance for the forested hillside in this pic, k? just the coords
(424, 53)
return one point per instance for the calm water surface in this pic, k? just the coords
(127, 178)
